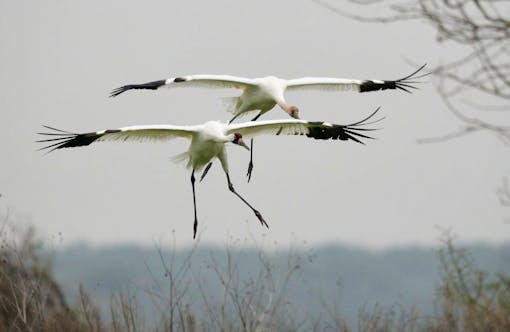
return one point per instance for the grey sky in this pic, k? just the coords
(60, 60)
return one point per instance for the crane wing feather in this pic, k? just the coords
(324, 84)
(203, 80)
(312, 129)
(269, 127)
(346, 84)
(211, 81)
(149, 133)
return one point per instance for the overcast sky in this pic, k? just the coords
(60, 60)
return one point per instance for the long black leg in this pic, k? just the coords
(257, 213)
(256, 117)
(250, 165)
(235, 117)
(204, 173)
(195, 224)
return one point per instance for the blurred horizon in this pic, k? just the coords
(61, 61)
(408, 231)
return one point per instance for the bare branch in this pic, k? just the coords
(483, 26)
(475, 23)
(471, 125)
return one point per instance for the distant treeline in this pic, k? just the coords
(352, 280)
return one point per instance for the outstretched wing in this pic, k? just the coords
(345, 84)
(314, 129)
(64, 139)
(208, 81)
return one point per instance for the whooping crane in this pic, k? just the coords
(262, 94)
(208, 141)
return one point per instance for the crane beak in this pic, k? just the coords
(241, 143)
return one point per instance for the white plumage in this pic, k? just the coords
(264, 93)
(208, 140)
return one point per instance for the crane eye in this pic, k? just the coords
(237, 137)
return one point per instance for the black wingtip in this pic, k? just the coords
(353, 131)
(405, 83)
(412, 75)
(65, 139)
(63, 132)
(118, 91)
(364, 121)
(149, 86)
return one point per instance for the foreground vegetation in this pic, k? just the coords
(467, 299)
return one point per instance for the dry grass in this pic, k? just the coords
(31, 300)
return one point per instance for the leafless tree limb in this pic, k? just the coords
(470, 124)
(481, 25)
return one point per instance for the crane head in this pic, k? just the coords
(238, 139)
(294, 112)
